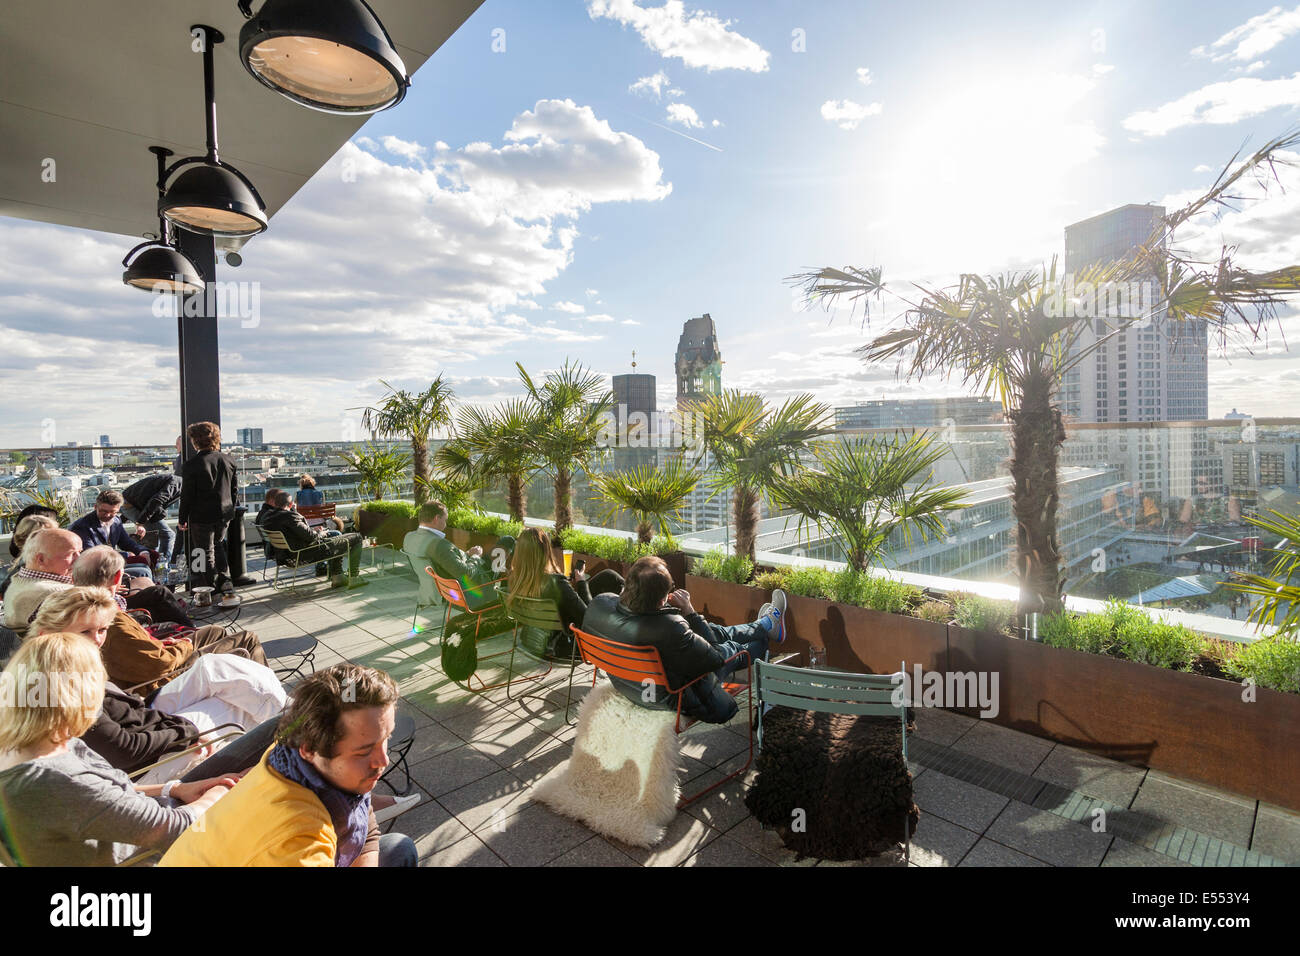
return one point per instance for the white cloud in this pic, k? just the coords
(601, 317)
(1219, 103)
(650, 85)
(864, 76)
(847, 114)
(716, 123)
(573, 308)
(591, 293)
(1202, 168)
(698, 39)
(412, 265)
(1257, 35)
(1255, 67)
(629, 322)
(412, 152)
(1101, 69)
(684, 115)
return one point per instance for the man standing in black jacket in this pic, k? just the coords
(209, 483)
(146, 503)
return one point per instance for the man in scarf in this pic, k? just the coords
(308, 801)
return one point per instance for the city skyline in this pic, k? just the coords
(584, 205)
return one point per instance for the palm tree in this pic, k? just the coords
(753, 446)
(652, 495)
(381, 469)
(455, 492)
(865, 489)
(571, 407)
(402, 413)
(1007, 334)
(1279, 591)
(491, 444)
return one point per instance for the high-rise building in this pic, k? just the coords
(1149, 371)
(635, 411)
(250, 438)
(104, 442)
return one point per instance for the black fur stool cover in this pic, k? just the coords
(835, 786)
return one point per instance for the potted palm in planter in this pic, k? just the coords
(652, 496)
(381, 470)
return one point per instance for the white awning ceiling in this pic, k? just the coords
(91, 85)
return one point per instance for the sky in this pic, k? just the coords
(575, 179)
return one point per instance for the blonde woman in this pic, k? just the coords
(63, 805)
(217, 689)
(534, 573)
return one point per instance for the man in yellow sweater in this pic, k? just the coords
(307, 802)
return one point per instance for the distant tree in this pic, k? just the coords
(380, 470)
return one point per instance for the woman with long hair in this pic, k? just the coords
(534, 573)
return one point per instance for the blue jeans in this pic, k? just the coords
(397, 850)
(138, 571)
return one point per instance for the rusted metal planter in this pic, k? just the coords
(1196, 727)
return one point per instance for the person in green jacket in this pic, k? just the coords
(473, 569)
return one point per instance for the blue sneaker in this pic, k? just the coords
(775, 610)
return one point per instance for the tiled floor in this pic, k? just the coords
(1002, 799)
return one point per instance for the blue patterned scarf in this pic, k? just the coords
(349, 813)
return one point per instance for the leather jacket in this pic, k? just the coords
(686, 647)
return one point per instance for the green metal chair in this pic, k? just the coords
(536, 621)
(832, 692)
(287, 557)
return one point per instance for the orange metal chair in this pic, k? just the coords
(638, 663)
(453, 595)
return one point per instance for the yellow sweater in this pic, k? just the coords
(265, 820)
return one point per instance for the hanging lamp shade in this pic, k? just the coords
(159, 267)
(330, 55)
(212, 199)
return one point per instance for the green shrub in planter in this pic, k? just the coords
(984, 614)
(812, 583)
(402, 509)
(877, 593)
(736, 568)
(611, 548)
(771, 580)
(1090, 633)
(940, 612)
(483, 524)
(1271, 662)
(1155, 642)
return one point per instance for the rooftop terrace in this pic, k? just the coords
(988, 795)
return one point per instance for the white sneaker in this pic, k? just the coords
(399, 806)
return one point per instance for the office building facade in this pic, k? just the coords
(1149, 370)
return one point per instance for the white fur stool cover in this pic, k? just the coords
(622, 777)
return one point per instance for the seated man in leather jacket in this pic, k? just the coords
(649, 611)
(320, 546)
